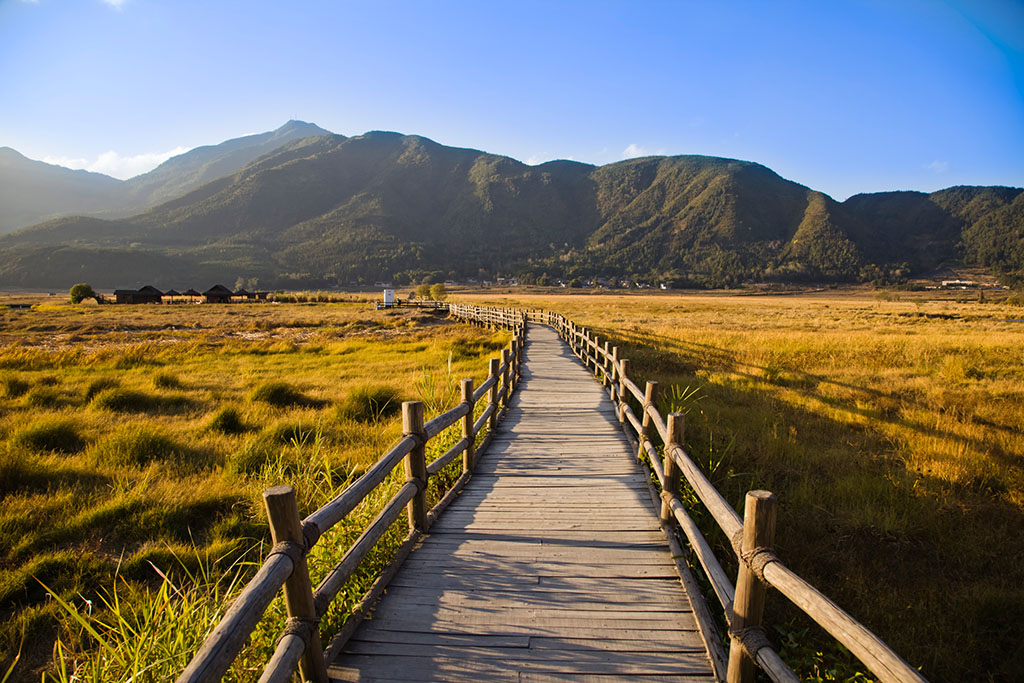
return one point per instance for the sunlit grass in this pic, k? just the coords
(151, 445)
(892, 432)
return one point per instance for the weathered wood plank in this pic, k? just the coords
(550, 564)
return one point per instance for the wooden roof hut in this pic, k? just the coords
(190, 293)
(244, 294)
(171, 293)
(147, 295)
(218, 294)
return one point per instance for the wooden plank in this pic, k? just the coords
(683, 636)
(454, 665)
(549, 564)
(450, 639)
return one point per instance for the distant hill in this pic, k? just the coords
(325, 210)
(198, 166)
(33, 191)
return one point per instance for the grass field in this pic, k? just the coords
(892, 431)
(136, 441)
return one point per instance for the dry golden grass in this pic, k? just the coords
(137, 436)
(892, 431)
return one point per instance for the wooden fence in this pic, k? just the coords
(751, 536)
(299, 645)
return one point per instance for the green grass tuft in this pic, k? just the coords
(13, 386)
(268, 445)
(131, 401)
(43, 397)
(56, 435)
(370, 403)
(166, 380)
(281, 395)
(227, 420)
(139, 445)
(98, 385)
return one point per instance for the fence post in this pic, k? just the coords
(623, 374)
(416, 463)
(513, 359)
(467, 426)
(614, 376)
(604, 365)
(493, 397)
(650, 392)
(285, 527)
(505, 355)
(748, 608)
(519, 357)
(676, 428)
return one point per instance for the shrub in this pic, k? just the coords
(369, 403)
(59, 436)
(99, 384)
(140, 445)
(13, 386)
(81, 292)
(280, 395)
(227, 420)
(166, 380)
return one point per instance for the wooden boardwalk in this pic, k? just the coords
(551, 564)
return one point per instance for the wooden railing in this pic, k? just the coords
(299, 645)
(751, 536)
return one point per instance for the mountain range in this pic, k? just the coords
(302, 207)
(34, 191)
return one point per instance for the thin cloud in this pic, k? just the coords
(634, 150)
(116, 4)
(938, 166)
(114, 164)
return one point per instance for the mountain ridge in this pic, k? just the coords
(33, 191)
(330, 209)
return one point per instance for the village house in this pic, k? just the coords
(146, 295)
(218, 294)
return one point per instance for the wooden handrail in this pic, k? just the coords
(286, 564)
(613, 371)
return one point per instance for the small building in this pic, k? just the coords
(243, 293)
(191, 294)
(146, 295)
(218, 294)
(170, 294)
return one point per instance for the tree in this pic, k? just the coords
(423, 291)
(438, 292)
(81, 292)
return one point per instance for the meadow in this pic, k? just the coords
(891, 426)
(136, 441)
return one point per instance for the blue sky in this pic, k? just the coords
(842, 96)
